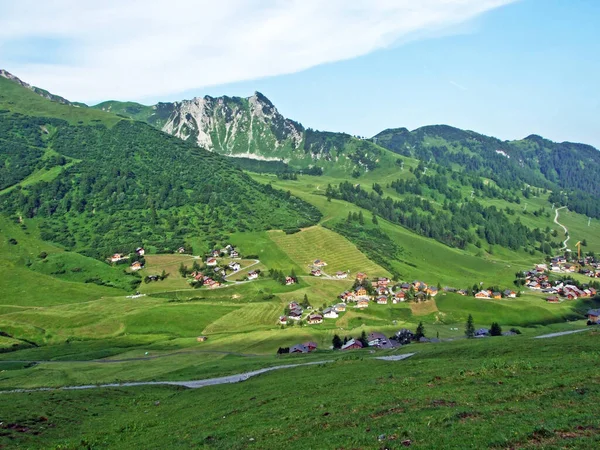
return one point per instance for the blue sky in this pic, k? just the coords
(500, 67)
(532, 67)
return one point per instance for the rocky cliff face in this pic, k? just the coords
(233, 126)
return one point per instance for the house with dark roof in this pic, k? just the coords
(593, 316)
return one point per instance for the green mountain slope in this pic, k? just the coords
(117, 183)
(574, 168)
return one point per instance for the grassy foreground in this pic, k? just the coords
(512, 392)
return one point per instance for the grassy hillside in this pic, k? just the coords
(493, 393)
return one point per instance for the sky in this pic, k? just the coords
(506, 68)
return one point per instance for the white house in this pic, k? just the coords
(330, 313)
(211, 262)
(252, 275)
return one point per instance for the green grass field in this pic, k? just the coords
(512, 392)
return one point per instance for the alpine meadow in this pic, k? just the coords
(208, 273)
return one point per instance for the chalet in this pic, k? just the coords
(382, 300)
(315, 272)
(299, 348)
(570, 268)
(311, 346)
(136, 266)
(360, 292)
(361, 276)
(496, 295)
(253, 275)
(347, 296)
(211, 262)
(181, 250)
(295, 314)
(293, 305)
(330, 313)
(482, 294)
(235, 266)
(376, 339)
(314, 319)
(419, 285)
(553, 299)
(234, 254)
(341, 275)
(283, 320)
(510, 294)
(201, 338)
(319, 263)
(593, 315)
(352, 344)
(482, 332)
(224, 251)
(431, 291)
(383, 281)
(153, 277)
(289, 280)
(340, 307)
(382, 290)
(215, 253)
(140, 251)
(197, 276)
(462, 292)
(399, 297)
(449, 289)
(541, 268)
(362, 303)
(405, 286)
(117, 257)
(215, 284)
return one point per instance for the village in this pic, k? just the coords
(546, 278)
(380, 291)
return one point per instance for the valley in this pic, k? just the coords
(433, 216)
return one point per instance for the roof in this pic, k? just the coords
(310, 344)
(299, 348)
(350, 343)
(593, 312)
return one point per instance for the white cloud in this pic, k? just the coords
(134, 49)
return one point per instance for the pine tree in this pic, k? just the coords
(420, 331)
(363, 339)
(349, 219)
(495, 329)
(336, 342)
(375, 221)
(361, 219)
(470, 328)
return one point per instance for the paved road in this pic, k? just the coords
(563, 227)
(394, 357)
(562, 333)
(188, 384)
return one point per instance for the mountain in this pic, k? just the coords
(568, 167)
(41, 92)
(98, 183)
(252, 128)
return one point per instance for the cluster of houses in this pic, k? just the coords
(384, 293)
(538, 280)
(228, 251)
(307, 347)
(316, 267)
(136, 265)
(508, 293)
(586, 266)
(205, 279)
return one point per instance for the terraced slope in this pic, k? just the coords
(319, 243)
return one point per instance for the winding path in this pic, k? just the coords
(197, 383)
(563, 227)
(561, 333)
